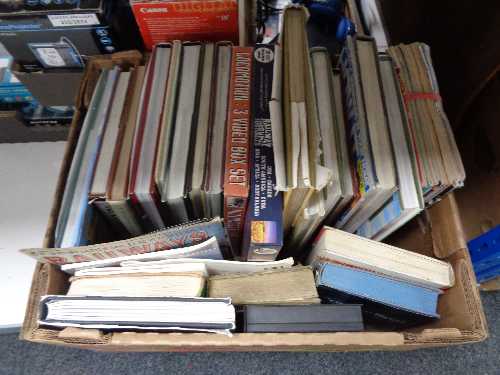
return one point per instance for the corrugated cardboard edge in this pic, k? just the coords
(450, 236)
(491, 286)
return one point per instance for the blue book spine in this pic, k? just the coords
(387, 215)
(386, 302)
(263, 232)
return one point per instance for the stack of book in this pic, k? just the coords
(191, 294)
(169, 142)
(396, 288)
(272, 138)
(350, 282)
(365, 147)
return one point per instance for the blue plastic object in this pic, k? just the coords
(485, 255)
(329, 15)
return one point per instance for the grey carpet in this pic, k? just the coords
(18, 357)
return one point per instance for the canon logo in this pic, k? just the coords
(154, 10)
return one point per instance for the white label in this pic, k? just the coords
(65, 20)
(51, 57)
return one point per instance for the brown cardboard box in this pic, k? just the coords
(438, 233)
(52, 89)
(479, 200)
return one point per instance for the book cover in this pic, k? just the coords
(302, 318)
(385, 302)
(238, 130)
(187, 20)
(263, 233)
(175, 237)
(357, 135)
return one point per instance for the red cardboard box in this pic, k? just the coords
(189, 20)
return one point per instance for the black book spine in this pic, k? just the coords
(375, 314)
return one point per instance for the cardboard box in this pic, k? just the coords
(438, 233)
(15, 130)
(55, 41)
(195, 20)
(479, 199)
(167, 20)
(8, 8)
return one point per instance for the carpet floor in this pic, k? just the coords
(17, 357)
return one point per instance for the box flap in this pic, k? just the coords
(52, 89)
(447, 231)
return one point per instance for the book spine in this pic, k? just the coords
(354, 109)
(236, 172)
(111, 217)
(125, 214)
(263, 235)
(386, 216)
(357, 135)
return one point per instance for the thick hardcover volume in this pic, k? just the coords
(167, 20)
(263, 232)
(358, 137)
(236, 173)
(386, 303)
(301, 318)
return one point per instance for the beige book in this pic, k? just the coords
(453, 166)
(354, 14)
(289, 286)
(171, 284)
(375, 160)
(213, 177)
(167, 120)
(304, 170)
(439, 162)
(337, 246)
(104, 162)
(116, 203)
(179, 162)
(213, 266)
(202, 129)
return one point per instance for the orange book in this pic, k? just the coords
(237, 173)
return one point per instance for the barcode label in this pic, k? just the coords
(64, 20)
(51, 57)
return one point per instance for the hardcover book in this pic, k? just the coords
(302, 318)
(263, 233)
(386, 302)
(138, 313)
(368, 132)
(237, 173)
(290, 286)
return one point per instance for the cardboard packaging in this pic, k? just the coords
(439, 234)
(189, 20)
(23, 7)
(48, 43)
(15, 129)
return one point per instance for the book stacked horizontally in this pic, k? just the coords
(396, 288)
(350, 281)
(190, 294)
